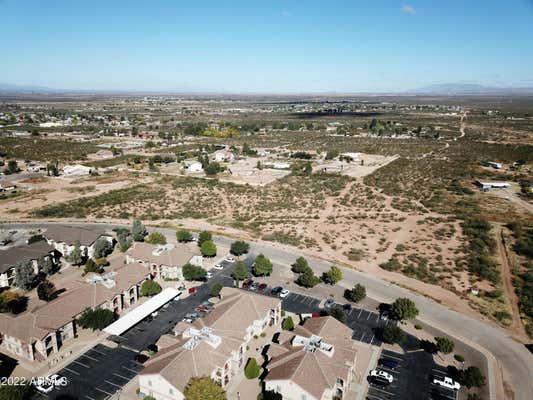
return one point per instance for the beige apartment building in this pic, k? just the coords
(38, 333)
(212, 346)
(164, 261)
(316, 361)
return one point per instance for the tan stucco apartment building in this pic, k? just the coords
(212, 346)
(38, 333)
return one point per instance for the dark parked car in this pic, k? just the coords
(347, 307)
(388, 363)
(247, 283)
(262, 287)
(276, 291)
(141, 358)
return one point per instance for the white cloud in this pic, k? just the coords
(408, 9)
(286, 13)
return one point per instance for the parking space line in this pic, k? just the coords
(99, 352)
(123, 377)
(89, 397)
(373, 396)
(369, 315)
(362, 336)
(103, 391)
(129, 369)
(111, 383)
(89, 357)
(70, 370)
(391, 356)
(371, 339)
(80, 363)
(360, 313)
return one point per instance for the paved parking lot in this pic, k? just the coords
(364, 323)
(412, 379)
(97, 374)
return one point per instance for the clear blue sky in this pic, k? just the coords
(265, 45)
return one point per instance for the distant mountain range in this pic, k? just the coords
(439, 89)
(470, 88)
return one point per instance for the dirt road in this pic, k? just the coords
(517, 327)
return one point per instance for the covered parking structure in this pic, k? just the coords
(139, 313)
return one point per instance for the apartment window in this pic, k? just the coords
(304, 397)
(171, 391)
(149, 383)
(278, 389)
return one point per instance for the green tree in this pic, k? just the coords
(308, 279)
(403, 308)
(240, 272)
(393, 334)
(138, 231)
(96, 319)
(444, 345)
(300, 265)
(16, 392)
(338, 313)
(239, 247)
(76, 255)
(91, 266)
(332, 276)
(183, 235)
(262, 266)
(356, 294)
(150, 288)
(11, 301)
(46, 290)
(24, 275)
(252, 369)
(124, 240)
(12, 167)
(212, 168)
(102, 248)
(472, 377)
(203, 388)
(287, 324)
(193, 272)
(52, 169)
(156, 238)
(204, 236)
(215, 289)
(208, 249)
(46, 265)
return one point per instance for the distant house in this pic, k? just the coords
(7, 186)
(349, 157)
(193, 166)
(222, 156)
(36, 168)
(486, 186)
(63, 238)
(163, 261)
(494, 165)
(31, 252)
(76, 170)
(104, 154)
(39, 333)
(316, 361)
(213, 346)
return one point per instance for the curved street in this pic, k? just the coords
(512, 356)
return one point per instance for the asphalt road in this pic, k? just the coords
(513, 356)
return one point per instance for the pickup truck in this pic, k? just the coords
(447, 382)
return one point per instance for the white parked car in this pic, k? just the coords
(218, 266)
(447, 382)
(209, 275)
(378, 373)
(230, 259)
(284, 293)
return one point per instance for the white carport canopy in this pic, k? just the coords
(139, 313)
